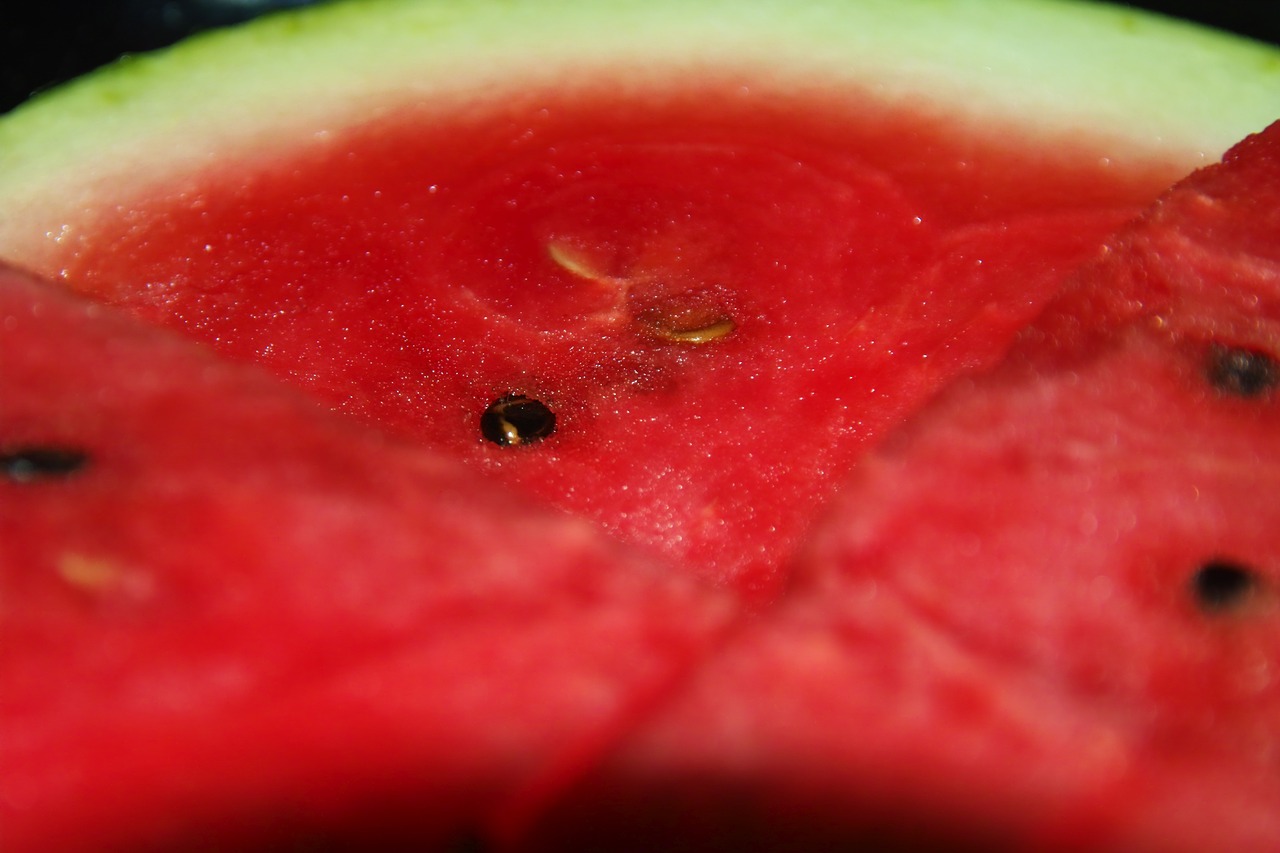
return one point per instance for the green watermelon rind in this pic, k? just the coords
(1160, 87)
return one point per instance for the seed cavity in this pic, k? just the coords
(93, 574)
(689, 324)
(38, 462)
(1221, 585)
(574, 260)
(660, 307)
(100, 576)
(516, 420)
(1242, 372)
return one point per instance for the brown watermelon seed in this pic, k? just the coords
(516, 419)
(1222, 585)
(1242, 372)
(36, 462)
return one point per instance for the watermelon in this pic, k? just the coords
(560, 424)
(199, 549)
(1036, 629)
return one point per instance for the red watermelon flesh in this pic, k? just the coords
(936, 675)
(459, 664)
(410, 274)
(1046, 615)
(226, 612)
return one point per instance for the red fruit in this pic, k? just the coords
(1047, 615)
(719, 319)
(769, 233)
(231, 617)
(681, 293)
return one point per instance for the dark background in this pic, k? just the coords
(43, 42)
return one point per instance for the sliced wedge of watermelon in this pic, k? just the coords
(767, 233)
(1047, 615)
(220, 600)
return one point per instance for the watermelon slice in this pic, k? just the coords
(198, 562)
(671, 268)
(817, 196)
(1032, 629)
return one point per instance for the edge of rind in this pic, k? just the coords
(317, 70)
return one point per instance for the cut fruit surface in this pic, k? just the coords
(774, 259)
(718, 316)
(205, 574)
(517, 424)
(1045, 615)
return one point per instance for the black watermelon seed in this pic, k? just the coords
(24, 464)
(1220, 584)
(517, 419)
(1242, 372)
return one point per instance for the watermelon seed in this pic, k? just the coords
(93, 574)
(1220, 585)
(573, 260)
(516, 419)
(32, 463)
(1242, 372)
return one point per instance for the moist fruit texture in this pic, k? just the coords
(1060, 579)
(643, 425)
(721, 306)
(217, 596)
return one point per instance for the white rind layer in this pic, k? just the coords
(1047, 68)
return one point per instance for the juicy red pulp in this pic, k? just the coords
(722, 297)
(1043, 617)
